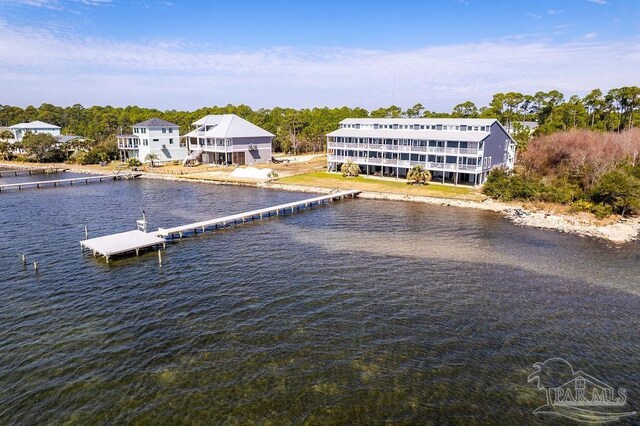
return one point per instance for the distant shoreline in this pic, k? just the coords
(623, 231)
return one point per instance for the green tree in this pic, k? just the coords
(415, 111)
(418, 174)
(5, 135)
(465, 110)
(151, 157)
(619, 189)
(38, 145)
(5, 150)
(596, 105)
(350, 169)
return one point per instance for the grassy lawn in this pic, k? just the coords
(335, 180)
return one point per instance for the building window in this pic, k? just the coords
(156, 140)
(170, 130)
(171, 141)
(164, 130)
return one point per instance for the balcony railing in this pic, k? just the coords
(450, 167)
(127, 146)
(403, 148)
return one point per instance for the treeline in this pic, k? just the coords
(588, 170)
(304, 130)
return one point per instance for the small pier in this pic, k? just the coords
(29, 172)
(60, 182)
(134, 241)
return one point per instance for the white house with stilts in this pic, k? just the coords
(154, 136)
(228, 139)
(21, 129)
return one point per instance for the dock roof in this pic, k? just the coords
(123, 242)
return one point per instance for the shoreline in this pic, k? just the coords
(620, 232)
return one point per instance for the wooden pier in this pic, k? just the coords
(28, 172)
(70, 181)
(134, 241)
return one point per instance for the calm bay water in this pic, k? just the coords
(358, 312)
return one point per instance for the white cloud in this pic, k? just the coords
(43, 66)
(598, 1)
(590, 35)
(61, 4)
(44, 4)
(554, 12)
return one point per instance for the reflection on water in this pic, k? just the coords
(357, 312)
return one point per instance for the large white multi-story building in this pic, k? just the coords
(21, 129)
(459, 150)
(154, 136)
(228, 139)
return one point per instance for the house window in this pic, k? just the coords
(164, 130)
(171, 141)
(156, 140)
(170, 130)
(145, 142)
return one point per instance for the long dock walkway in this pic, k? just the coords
(70, 181)
(28, 172)
(134, 241)
(261, 213)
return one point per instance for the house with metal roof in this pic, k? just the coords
(457, 150)
(21, 129)
(154, 136)
(228, 139)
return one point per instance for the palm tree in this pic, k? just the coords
(418, 174)
(151, 157)
(350, 169)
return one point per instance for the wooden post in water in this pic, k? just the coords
(24, 259)
(159, 257)
(86, 232)
(35, 266)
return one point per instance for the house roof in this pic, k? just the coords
(34, 125)
(442, 135)
(67, 138)
(430, 121)
(155, 122)
(228, 126)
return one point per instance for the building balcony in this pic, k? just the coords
(447, 167)
(127, 146)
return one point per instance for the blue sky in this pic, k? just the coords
(187, 54)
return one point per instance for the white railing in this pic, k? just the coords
(452, 167)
